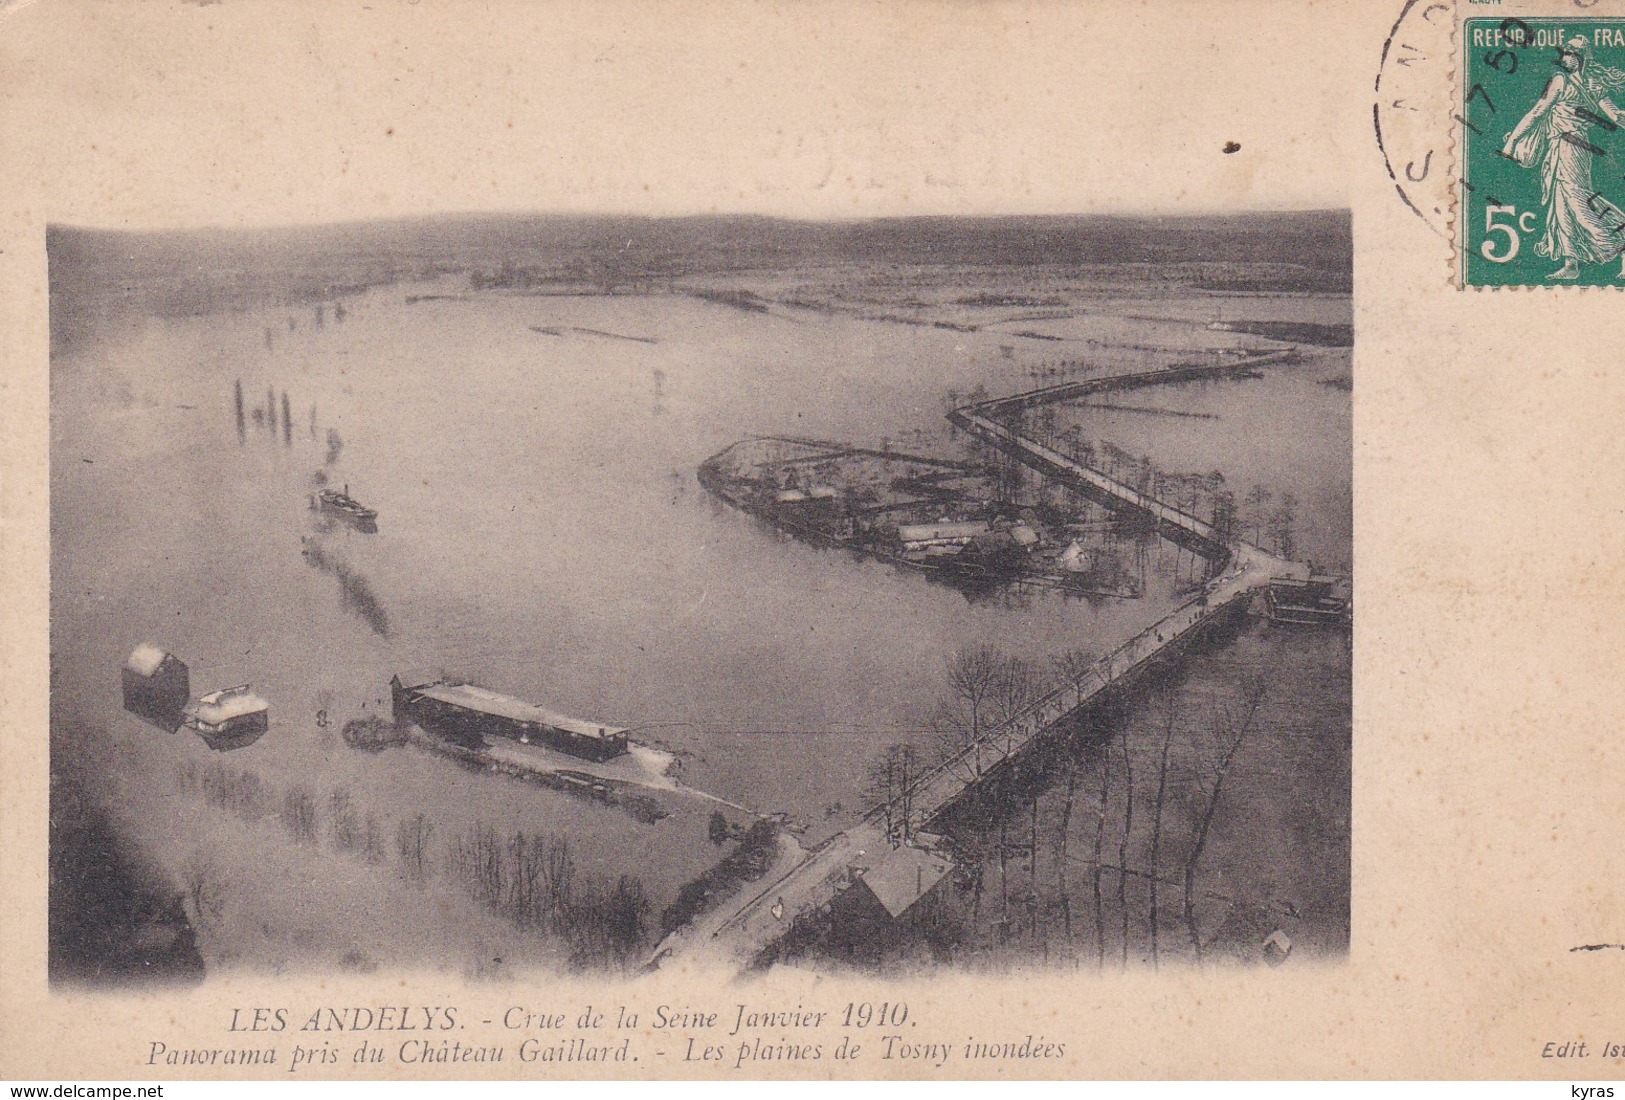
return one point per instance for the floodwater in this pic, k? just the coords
(540, 529)
(1287, 433)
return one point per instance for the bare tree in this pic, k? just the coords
(1032, 877)
(626, 920)
(987, 689)
(1074, 665)
(1060, 852)
(479, 861)
(1004, 879)
(1100, 842)
(1283, 526)
(372, 845)
(1224, 514)
(1017, 686)
(299, 815)
(412, 842)
(205, 889)
(1156, 827)
(525, 883)
(1122, 846)
(1256, 498)
(342, 821)
(961, 720)
(559, 874)
(1235, 730)
(892, 776)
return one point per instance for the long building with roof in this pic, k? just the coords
(471, 713)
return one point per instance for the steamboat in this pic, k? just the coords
(340, 503)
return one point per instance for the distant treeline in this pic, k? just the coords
(180, 272)
(1298, 332)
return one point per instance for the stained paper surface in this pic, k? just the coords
(575, 441)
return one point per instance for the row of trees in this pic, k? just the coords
(530, 879)
(1108, 864)
(1258, 514)
(985, 689)
(265, 416)
(1144, 835)
(305, 819)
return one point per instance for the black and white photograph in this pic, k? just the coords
(733, 540)
(537, 592)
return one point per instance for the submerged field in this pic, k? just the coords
(531, 455)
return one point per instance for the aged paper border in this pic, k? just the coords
(1487, 763)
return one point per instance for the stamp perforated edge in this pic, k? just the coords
(1455, 142)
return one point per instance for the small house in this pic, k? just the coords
(157, 686)
(887, 902)
(1308, 599)
(1025, 536)
(901, 878)
(1075, 559)
(230, 718)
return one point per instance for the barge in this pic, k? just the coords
(469, 714)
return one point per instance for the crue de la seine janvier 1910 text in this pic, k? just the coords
(738, 1036)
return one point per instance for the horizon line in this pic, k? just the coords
(716, 215)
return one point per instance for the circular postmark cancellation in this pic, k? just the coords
(1413, 107)
(1542, 153)
(1502, 126)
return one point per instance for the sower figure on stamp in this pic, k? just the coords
(1581, 225)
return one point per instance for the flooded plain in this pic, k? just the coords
(531, 458)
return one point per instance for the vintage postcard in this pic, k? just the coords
(753, 540)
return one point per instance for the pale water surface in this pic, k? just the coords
(540, 529)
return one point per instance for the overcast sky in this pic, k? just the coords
(243, 112)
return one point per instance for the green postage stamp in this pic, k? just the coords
(1542, 133)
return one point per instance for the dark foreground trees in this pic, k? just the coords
(531, 879)
(1105, 852)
